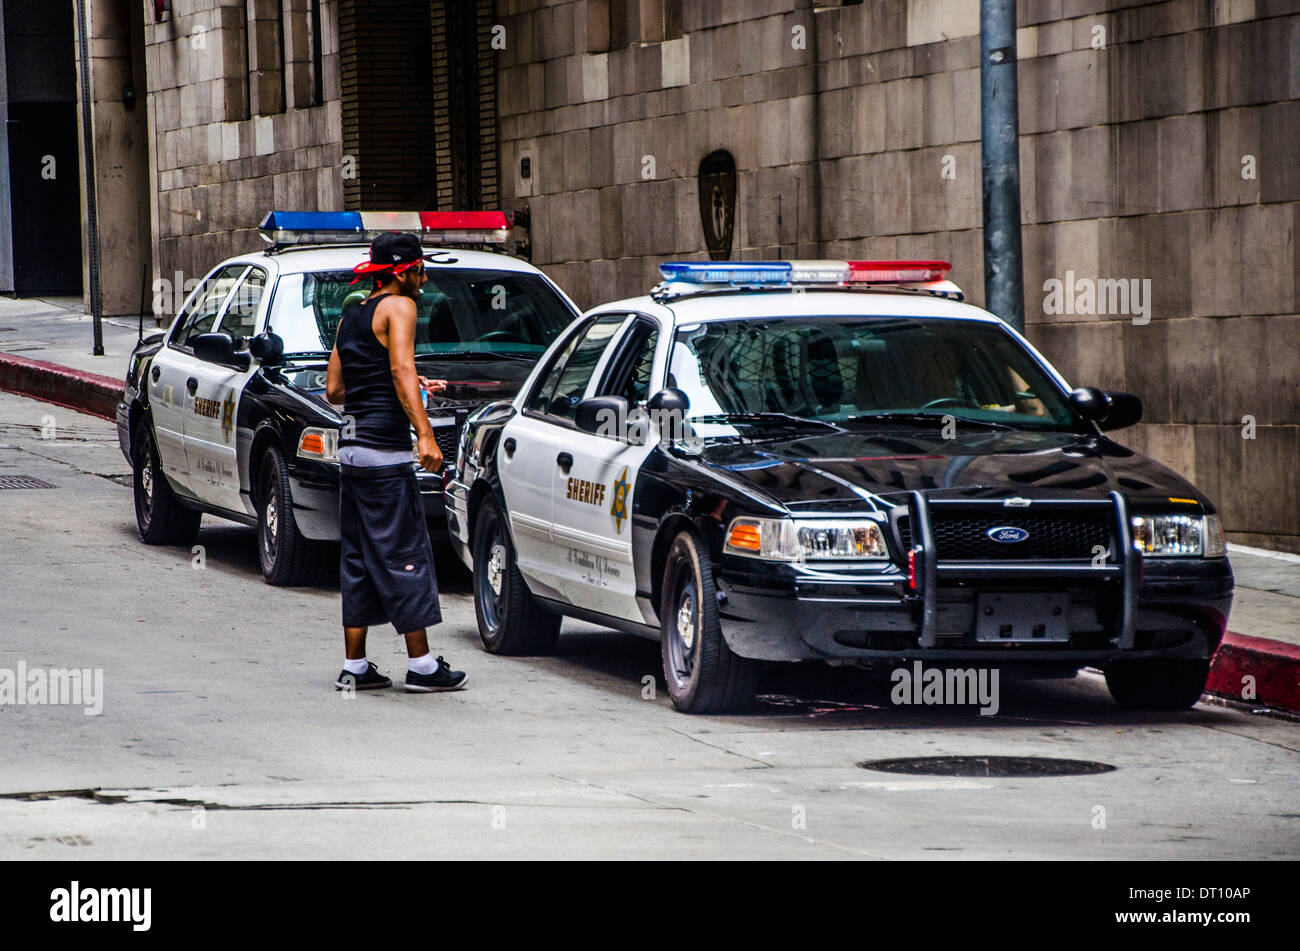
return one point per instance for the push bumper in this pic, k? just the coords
(1123, 608)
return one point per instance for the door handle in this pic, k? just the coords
(154, 374)
(192, 385)
(565, 461)
(509, 445)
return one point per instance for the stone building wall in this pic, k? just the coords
(239, 128)
(1158, 142)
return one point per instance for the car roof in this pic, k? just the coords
(298, 260)
(724, 305)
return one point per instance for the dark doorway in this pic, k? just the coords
(40, 213)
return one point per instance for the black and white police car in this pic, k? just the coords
(225, 413)
(866, 470)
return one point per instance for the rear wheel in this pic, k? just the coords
(510, 619)
(702, 673)
(287, 557)
(1157, 684)
(159, 516)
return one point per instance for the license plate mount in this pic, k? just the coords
(1022, 618)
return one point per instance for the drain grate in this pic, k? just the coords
(991, 766)
(22, 482)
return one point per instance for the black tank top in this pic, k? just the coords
(378, 420)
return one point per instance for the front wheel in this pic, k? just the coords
(510, 619)
(287, 557)
(702, 673)
(1157, 684)
(159, 517)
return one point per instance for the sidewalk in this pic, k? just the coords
(45, 353)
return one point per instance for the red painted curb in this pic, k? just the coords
(63, 386)
(1274, 665)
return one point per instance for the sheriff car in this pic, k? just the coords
(225, 413)
(832, 461)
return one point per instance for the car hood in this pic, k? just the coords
(470, 382)
(856, 472)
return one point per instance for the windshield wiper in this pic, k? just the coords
(299, 354)
(784, 418)
(927, 418)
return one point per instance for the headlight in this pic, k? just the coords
(321, 445)
(1178, 536)
(782, 539)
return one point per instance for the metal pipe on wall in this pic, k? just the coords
(1004, 292)
(88, 182)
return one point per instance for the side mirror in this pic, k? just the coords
(267, 348)
(666, 410)
(603, 416)
(1108, 409)
(1124, 410)
(220, 348)
(670, 400)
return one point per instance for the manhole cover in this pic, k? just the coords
(22, 482)
(987, 766)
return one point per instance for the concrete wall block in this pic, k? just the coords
(868, 118)
(1181, 163)
(1052, 161)
(904, 103)
(1147, 368)
(938, 116)
(1237, 148)
(1082, 88)
(1167, 262)
(890, 191)
(1092, 190)
(1268, 259)
(966, 105)
(1277, 167)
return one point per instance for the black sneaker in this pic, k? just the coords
(440, 681)
(372, 679)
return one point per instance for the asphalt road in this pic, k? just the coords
(221, 735)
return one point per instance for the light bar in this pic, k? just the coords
(753, 273)
(438, 227)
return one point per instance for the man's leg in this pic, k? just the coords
(417, 643)
(354, 643)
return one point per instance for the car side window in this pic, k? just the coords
(562, 389)
(628, 373)
(207, 305)
(241, 315)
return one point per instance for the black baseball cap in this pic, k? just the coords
(393, 251)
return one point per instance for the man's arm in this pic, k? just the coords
(334, 379)
(399, 314)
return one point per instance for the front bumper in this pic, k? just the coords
(1130, 608)
(315, 488)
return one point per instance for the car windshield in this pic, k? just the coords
(463, 311)
(842, 369)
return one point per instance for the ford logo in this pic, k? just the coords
(1007, 534)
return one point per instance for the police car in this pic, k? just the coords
(225, 413)
(832, 461)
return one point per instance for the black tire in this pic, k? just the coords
(1157, 684)
(702, 673)
(510, 620)
(286, 556)
(159, 517)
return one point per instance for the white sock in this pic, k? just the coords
(359, 666)
(423, 665)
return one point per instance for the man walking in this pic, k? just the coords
(386, 561)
